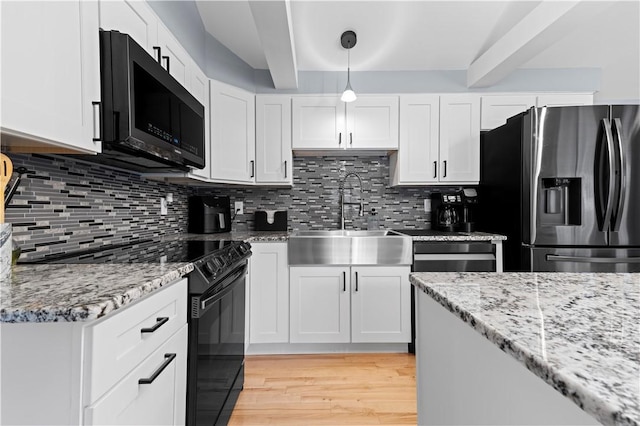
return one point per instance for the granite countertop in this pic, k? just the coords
(80, 292)
(579, 332)
(437, 236)
(51, 292)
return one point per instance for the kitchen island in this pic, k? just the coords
(528, 348)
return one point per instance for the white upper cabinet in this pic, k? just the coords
(564, 99)
(51, 74)
(273, 140)
(131, 17)
(327, 123)
(232, 134)
(372, 123)
(199, 88)
(459, 139)
(439, 140)
(318, 122)
(416, 161)
(173, 57)
(496, 109)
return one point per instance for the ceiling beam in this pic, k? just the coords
(549, 22)
(273, 22)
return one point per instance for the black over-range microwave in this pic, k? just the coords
(150, 123)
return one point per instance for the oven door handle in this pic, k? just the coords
(233, 276)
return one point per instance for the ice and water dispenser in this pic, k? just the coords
(561, 202)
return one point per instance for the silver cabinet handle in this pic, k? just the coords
(97, 121)
(167, 360)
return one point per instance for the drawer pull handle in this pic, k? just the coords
(167, 360)
(160, 322)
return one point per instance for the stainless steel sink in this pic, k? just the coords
(345, 233)
(349, 247)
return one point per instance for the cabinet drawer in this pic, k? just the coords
(161, 402)
(115, 345)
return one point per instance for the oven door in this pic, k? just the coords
(216, 350)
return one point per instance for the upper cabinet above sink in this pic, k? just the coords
(325, 123)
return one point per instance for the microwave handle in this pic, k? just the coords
(97, 121)
(158, 51)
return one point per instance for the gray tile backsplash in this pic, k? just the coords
(67, 204)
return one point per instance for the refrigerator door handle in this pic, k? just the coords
(612, 183)
(619, 177)
(588, 259)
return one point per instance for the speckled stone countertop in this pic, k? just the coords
(84, 292)
(578, 332)
(52, 293)
(459, 236)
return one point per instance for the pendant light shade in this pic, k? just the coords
(348, 40)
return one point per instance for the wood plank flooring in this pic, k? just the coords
(331, 389)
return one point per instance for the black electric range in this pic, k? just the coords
(215, 355)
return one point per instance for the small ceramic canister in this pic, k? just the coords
(5, 251)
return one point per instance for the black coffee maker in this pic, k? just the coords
(454, 210)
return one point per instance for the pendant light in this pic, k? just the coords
(348, 40)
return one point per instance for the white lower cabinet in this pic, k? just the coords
(357, 304)
(268, 293)
(158, 400)
(89, 372)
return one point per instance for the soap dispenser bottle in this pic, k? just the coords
(372, 220)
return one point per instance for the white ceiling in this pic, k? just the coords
(434, 35)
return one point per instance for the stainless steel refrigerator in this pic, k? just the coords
(563, 183)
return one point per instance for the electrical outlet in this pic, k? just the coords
(239, 207)
(163, 206)
(169, 198)
(427, 205)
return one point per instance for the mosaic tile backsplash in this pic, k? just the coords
(66, 204)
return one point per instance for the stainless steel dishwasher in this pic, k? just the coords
(452, 256)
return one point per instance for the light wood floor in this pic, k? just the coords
(333, 389)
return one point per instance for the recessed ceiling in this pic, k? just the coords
(423, 35)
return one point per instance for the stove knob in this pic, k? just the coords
(211, 267)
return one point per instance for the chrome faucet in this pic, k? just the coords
(342, 202)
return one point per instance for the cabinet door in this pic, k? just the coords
(380, 304)
(131, 17)
(320, 304)
(269, 294)
(565, 99)
(416, 161)
(496, 109)
(273, 140)
(161, 402)
(174, 58)
(232, 133)
(199, 88)
(372, 123)
(459, 138)
(318, 122)
(51, 72)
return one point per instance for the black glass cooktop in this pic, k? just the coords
(140, 251)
